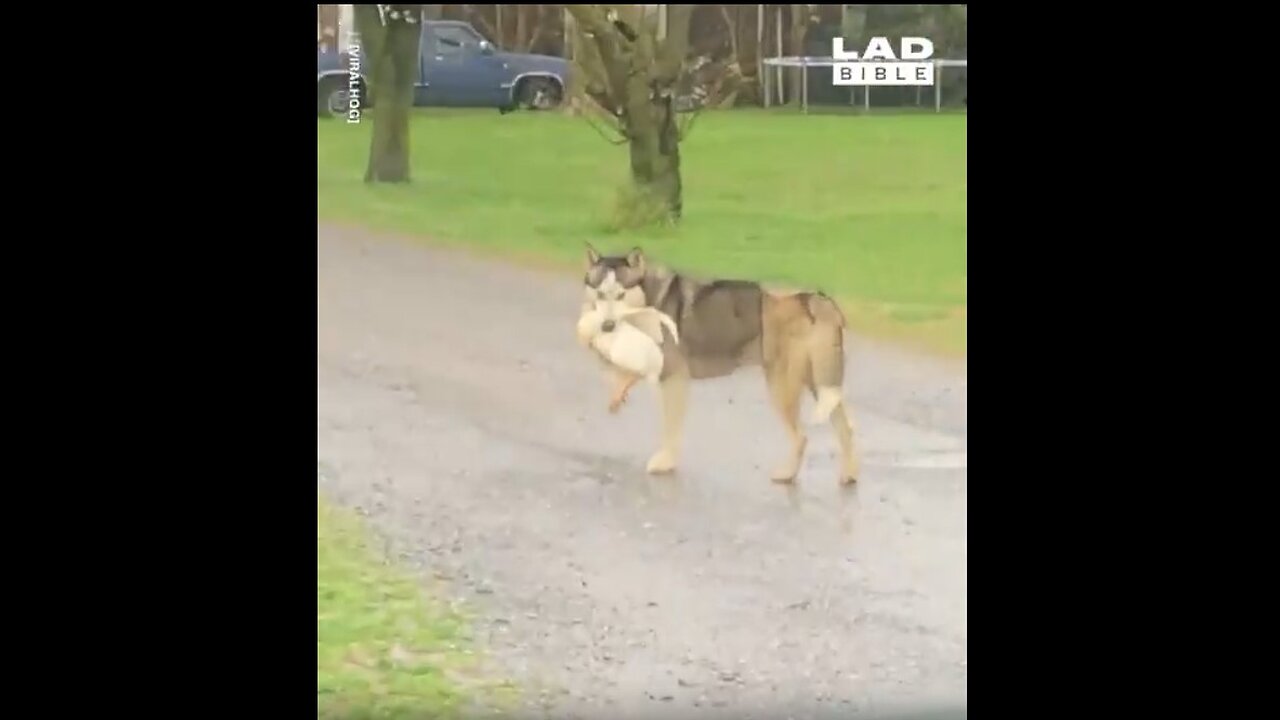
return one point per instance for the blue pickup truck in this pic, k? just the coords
(457, 67)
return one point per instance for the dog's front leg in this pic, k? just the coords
(674, 392)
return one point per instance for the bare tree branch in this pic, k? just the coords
(533, 41)
(620, 135)
(733, 30)
(526, 40)
(522, 26)
(607, 39)
(590, 77)
(641, 74)
(672, 53)
(686, 125)
(486, 29)
(626, 19)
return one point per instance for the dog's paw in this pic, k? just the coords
(784, 475)
(616, 404)
(661, 463)
(849, 474)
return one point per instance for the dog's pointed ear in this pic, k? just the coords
(635, 259)
(593, 256)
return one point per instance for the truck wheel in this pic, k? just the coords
(538, 93)
(331, 97)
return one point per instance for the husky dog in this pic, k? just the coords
(797, 337)
(629, 339)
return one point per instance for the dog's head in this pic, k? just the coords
(613, 282)
(611, 285)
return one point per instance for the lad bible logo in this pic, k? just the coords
(879, 66)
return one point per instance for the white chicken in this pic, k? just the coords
(630, 341)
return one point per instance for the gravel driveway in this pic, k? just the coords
(457, 414)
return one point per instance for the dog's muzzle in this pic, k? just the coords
(607, 326)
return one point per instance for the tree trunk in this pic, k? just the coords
(734, 61)
(853, 21)
(730, 23)
(654, 142)
(522, 28)
(799, 28)
(391, 45)
(639, 76)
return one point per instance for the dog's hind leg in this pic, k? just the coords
(674, 393)
(786, 384)
(826, 362)
(842, 424)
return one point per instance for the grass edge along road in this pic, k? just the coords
(383, 649)
(871, 209)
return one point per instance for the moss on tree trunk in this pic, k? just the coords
(391, 46)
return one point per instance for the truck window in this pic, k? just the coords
(453, 40)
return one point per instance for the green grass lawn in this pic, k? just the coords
(383, 651)
(871, 209)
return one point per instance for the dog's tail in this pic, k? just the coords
(827, 365)
(826, 355)
(828, 399)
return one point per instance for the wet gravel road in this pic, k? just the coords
(458, 415)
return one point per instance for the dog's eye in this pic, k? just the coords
(618, 296)
(600, 294)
